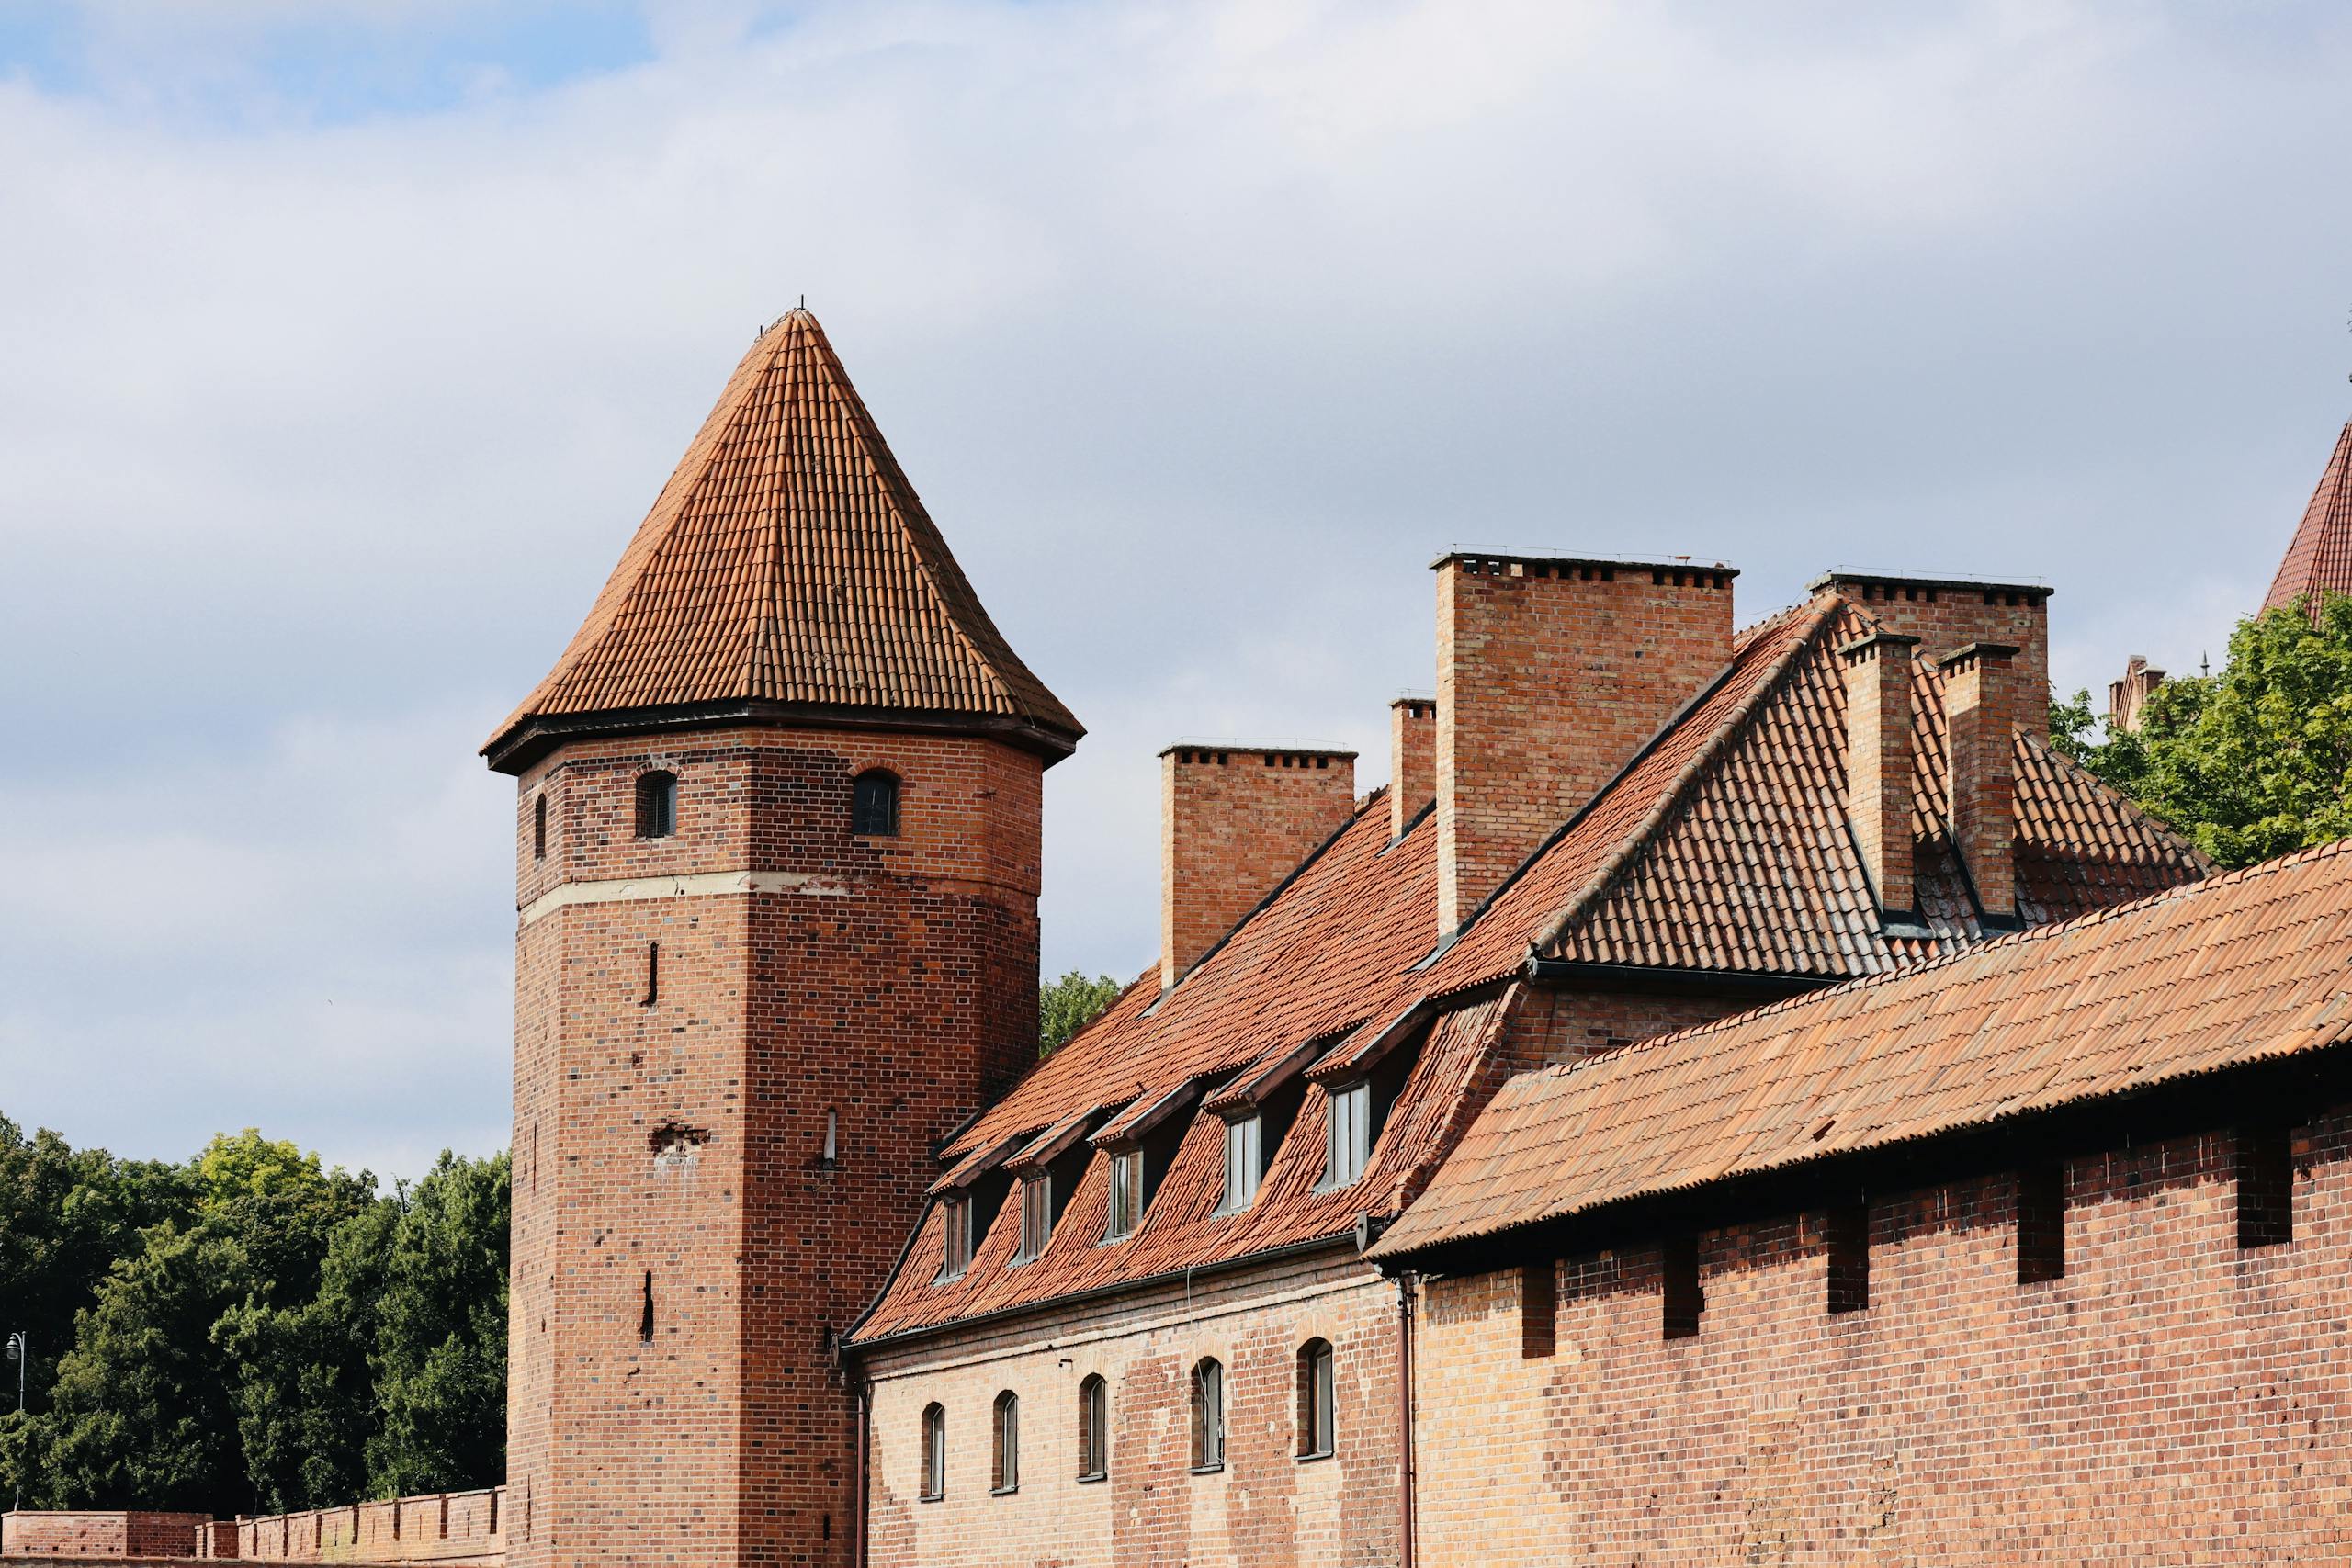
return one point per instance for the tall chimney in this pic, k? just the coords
(1412, 760)
(1945, 614)
(1878, 762)
(1235, 820)
(1983, 692)
(1551, 674)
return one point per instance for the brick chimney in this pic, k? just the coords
(1945, 614)
(1983, 690)
(1878, 762)
(1235, 820)
(1412, 760)
(1551, 674)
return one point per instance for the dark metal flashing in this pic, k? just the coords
(1745, 983)
(1058, 1304)
(2296, 1090)
(530, 738)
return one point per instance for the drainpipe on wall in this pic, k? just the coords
(857, 1506)
(1404, 1421)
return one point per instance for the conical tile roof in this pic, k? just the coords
(2319, 560)
(786, 569)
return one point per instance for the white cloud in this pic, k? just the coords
(1202, 328)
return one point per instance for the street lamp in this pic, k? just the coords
(19, 1353)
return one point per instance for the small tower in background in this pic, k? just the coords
(778, 826)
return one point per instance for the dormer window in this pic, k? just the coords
(1127, 1195)
(1350, 1134)
(1245, 1164)
(657, 805)
(1037, 1216)
(873, 805)
(956, 1227)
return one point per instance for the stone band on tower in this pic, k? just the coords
(777, 861)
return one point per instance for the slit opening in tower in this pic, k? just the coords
(645, 1318)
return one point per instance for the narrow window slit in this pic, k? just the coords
(645, 1319)
(2266, 1186)
(2042, 1223)
(1848, 1235)
(652, 973)
(1684, 1301)
(1538, 1310)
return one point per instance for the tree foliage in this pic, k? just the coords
(2253, 761)
(1069, 1004)
(252, 1331)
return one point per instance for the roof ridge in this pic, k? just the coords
(2049, 930)
(1733, 724)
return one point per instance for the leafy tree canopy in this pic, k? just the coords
(2253, 761)
(1069, 1004)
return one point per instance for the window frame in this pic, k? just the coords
(1004, 1425)
(1347, 1132)
(1125, 1207)
(1249, 1132)
(1093, 1427)
(1319, 1400)
(955, 1238)
(863, 821)
(932, 1486)
(1208, 1415)
(657, 804)
(1036, 1217)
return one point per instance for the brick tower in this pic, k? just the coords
(776, 880)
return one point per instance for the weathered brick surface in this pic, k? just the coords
(1983, 700)
(1564, 1024)
(1412, 760)
(2172, 1399)
(97, 1532)
(1550, 674)
(440, 1527)
(1267, 1508)
(675, 1148)
(1948, 616)
(1232, 822)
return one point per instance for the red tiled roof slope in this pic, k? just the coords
(788, 561)
(1723, 846)
(2318, 558)
(2242, 968)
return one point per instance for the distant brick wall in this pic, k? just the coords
(2171, 1399)
(1232, 822)
(1550, 675)
(1947, 616)
(1267, 1508)
(99, 1533)
(440, 1527)
(669, 1172)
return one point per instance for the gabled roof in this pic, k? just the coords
(1723, 847)
(2318, 558)
(788, 567)
(2245, 967)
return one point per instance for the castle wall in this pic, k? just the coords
(1266, 1508)
(2173, 1398)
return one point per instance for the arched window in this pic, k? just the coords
(657, 805)
(1093, 1429)
(935, 1452)
(874, 804)
(1208, 1414)
(539, 829)
(1008, 1442)
(1319, 1412)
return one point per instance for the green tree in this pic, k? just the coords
(439, 1356)
(2252, 762)
(1069, 1004)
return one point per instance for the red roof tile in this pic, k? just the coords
(1723, 846)
(2318, 558)
(788, 563)
(2242, 968)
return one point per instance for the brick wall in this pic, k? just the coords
(1232, 822)
(99, 1533)
(441, 1526)
(1412, 760)
(1566, 1023)
(682, 1252)
(2171, 1398)
(1550, 675)
(1945, 616)
(1267, 1508)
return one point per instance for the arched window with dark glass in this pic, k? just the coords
(1007, 1467)
(657, 805)
(1208, 1414)
(1318, 1412)
(539, 829)
(874, 804)
(1093, 1429)
(935, 1452)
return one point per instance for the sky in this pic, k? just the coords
(347, 341)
